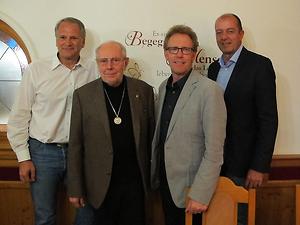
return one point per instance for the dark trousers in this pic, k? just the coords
(123, 205)
(173, 214)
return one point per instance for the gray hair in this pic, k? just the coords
(123, 49)
(182, 29)
(72, 20)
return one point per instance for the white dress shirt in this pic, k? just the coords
(42, 109)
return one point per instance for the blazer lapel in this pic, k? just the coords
(214, 71)
(99, 107)
(135, 108)
(234, 75)
(183, 99)
(158, 108)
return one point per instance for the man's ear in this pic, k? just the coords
(126, 61)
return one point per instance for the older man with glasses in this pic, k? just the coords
(110, 140)
(187, 149)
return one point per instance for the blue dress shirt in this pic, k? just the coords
(227, 68)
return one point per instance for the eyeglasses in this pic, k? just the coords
(105, 61)
(184, 50)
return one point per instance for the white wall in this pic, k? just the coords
(272, 29)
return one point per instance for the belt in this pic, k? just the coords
(60, 145)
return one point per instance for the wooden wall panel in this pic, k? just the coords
(275, 200)
(16, 205)
(275, 204)
(7, 156)
(298, 204)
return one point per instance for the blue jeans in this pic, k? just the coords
(50, 163)
(85, 215)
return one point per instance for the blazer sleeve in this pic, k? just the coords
(267, 116)
(214, 129)
(75, 151)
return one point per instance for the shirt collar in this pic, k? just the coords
(233, 58)
(56, 63)
(180, 83)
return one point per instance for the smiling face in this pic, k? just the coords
(228, 35)
(69, 41)
(180, 63)
(111, 62)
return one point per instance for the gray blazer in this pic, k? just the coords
(90, 154)
(194, 142)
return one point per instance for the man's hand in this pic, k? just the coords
(77, 202)
(254, 179)
(27, 171)
(195, 207)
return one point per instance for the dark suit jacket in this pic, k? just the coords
(252, 120)
(90, 154)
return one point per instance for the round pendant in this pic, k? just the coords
(117, 120)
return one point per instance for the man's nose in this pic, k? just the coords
(68, 41)
(179, 53)
(223, 36)
(109, 63)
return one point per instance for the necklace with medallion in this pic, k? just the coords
(117, 119)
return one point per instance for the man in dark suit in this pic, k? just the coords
(110, 139)
(248, 80)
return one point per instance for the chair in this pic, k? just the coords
(223, 207)
(297, 209)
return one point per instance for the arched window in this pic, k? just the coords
(14, 57)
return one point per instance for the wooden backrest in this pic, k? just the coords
(223, 207)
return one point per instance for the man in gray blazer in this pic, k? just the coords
(187, 149)
(110, 140)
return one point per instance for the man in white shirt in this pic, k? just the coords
(38, 127)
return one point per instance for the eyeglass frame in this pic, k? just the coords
(175, 50)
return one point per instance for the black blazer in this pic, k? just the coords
(252, 120)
